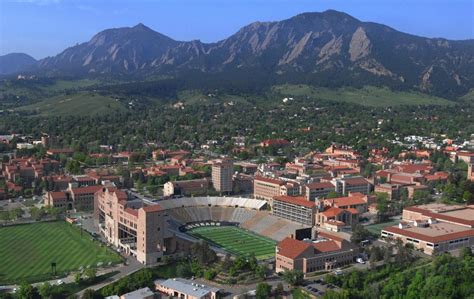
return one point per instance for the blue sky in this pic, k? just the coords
(46, 27)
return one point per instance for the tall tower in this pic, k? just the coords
(222, 171)
(470, 172)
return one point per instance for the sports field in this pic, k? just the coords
(26, 251)
(236, 241)
(377, 228)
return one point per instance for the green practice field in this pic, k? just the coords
(236, 241)
(26, 251)
(377, 228)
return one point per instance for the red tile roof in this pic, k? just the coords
(292, 248)
(347, 201)
(57, 195)
(86, 190)
(466, 154)
(437, 239)
(326, 246)
(152, 208)
(269, 180)
(332, 212)
(330, 236)
(353, 211)
(356, 181)
(296, 200)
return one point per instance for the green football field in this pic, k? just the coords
(236, 241)
(26, 251)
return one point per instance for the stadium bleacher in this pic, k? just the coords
(202, 211)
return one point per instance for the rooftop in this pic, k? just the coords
(434, 233)
(324, 185)
(269, 180)
(347, 201)
(459, 214)
(296, 200)
(138, 294)
(188, 287)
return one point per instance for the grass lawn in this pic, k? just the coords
(367, 96)
(27, 251)
(236, 241)
(376, 228)
(82, 103)
(61, 85)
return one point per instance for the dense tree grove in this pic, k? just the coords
(255, 117)
(445, 277)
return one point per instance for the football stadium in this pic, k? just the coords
(240, 226)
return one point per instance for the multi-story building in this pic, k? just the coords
(435, 228)
(318, 190)
(57, 200)
(348, 184)
(296, 209)
(357, 201)
(266, 188)
(81, 198)
(392, 190)
(290, 189)
(222, 171)
(137, 229)
(188, 187)
(325, 252)
(467, 157)
(335, 219)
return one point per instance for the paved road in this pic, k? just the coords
(132, 265)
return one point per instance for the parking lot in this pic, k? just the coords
(319, 287)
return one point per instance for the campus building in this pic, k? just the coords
(435, 228)
(324, 252)
(296, 209)
(334, 214)
(222, 171)
(392, 190)
(81, 198)
(183, 288)
(266, 188)
(318, 190)
(131, 226)
(348, 184)
(188, 187)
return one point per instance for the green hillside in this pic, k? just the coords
(77, 104)
(367, 96)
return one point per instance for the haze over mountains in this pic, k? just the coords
(329, 49)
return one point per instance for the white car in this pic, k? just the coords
(360, 260)
(60, 282)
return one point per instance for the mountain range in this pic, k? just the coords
(330, 48)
